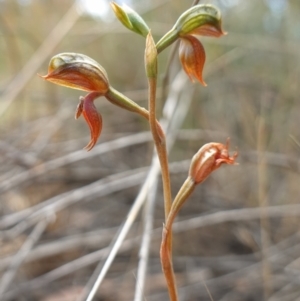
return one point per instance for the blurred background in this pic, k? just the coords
(62, 208)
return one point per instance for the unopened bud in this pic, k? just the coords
(150, 57)
(130, 19)
(210, 157)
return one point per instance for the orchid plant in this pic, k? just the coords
(78, 71)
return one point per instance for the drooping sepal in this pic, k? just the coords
(130, 19)
(192, 57)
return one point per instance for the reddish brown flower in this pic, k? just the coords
(191, 51)
(210, 157)
(78, 71)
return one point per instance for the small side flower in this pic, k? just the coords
(199, 20)
(77, 71)
(192, 58)
(209, 158)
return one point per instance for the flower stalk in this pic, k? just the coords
(161, 148)
(210, 157)
(158, 137)
(78, 71)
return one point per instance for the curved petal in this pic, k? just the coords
(192, 57)
(91, 116)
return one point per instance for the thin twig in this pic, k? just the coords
(100, 188)
(21, 255)
(145, 244)
(41, 54)
(181, 226)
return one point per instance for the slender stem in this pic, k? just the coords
(165, 249)
(122, 101)
(183, 194)
(160, 143)
(169, 38)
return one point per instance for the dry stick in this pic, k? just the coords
(142, 137)
(276, 253)
(90, 239)
(145, 244)
(52, 126)
(195, 223)
(19, 258)
(263, 204)
(59, 162)
(86, 290)
(65, 269)
(100, 188)
(126, 227)
(166, 76)
(61, 202)
(44, 51)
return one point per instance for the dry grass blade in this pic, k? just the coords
(145, 243)
(21, 255)
(59, 202)
(42, 54)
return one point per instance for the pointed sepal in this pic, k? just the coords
(192, 57)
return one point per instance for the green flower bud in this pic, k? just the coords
(130, 19)
(150, 57)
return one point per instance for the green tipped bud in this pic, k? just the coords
(130, 19)
(77, 71)
(150, 57)
(202, 19)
